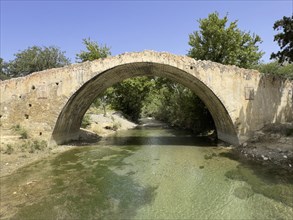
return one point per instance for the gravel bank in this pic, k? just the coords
(271, 146)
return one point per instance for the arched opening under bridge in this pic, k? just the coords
(69, 120)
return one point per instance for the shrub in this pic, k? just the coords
(24, 147)
(23, 134)
(16, 127)
(39, 145)
(289, 132)
(274, 68)
(21, 131)
(33, 145)
(36, 145)
(9, 149)
(116, 125)
(85, 121)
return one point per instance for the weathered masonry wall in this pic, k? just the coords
(50, 104)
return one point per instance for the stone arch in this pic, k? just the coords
(241, 101)
(69, 120)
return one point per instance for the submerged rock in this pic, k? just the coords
(235, 175)
(243, 192)
(208, 156)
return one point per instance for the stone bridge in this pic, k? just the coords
(51, 104)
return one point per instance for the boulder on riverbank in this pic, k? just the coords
(107, 124)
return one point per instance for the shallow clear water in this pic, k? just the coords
(147, 173)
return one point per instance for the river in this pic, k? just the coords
(146, 173)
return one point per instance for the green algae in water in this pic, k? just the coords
(151, 181)
(235, 175)
(262, 182)
(243, 192)
(92, 193)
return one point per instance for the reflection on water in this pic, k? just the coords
(146, 174)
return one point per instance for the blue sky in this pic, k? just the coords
(128, 26)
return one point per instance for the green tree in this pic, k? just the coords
(36, 59)
(3, 70)
(126, 96)
(129, 96)
(276, 68)
(178, 106)
(227, 44)
(94, 51)
(284, 39)
(222, 42)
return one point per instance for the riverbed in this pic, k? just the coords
(146, 173)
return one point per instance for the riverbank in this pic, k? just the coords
(271, 146)
(18, 150)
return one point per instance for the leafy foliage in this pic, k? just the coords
(20, 131)
(9, 149)
(278, 69)
(36, 59)
(148, 96)
(224, 44)
(178, 106)
(220, 42)
(94, 51)
(129, 95)
(284, 39)
(3, 70)
(85, 121)
(34, 145)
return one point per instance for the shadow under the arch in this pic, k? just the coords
(159, 141)
(85, 137)
(177, 138)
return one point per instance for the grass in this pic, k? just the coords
(34, 145)
(85, 121)
(9, 149)
(116, 124)
(21, 131)
(23, 134)
(30, 146)
(27, 145)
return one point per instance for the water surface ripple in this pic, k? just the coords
(148, 173)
